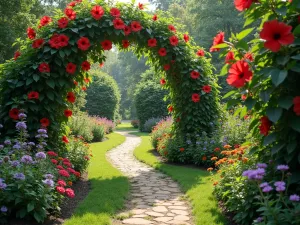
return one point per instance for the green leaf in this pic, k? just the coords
(295, 123)
(285, 102)
(20, 83)
(223, 45)
(282, 59)
(244, 33)
(296, 31)
(282, 10)
(274, 114)
(50, 83)
(30, 207)
(61, 53)
(229, 94)
(36, 77)
(296, 57)
(29, 81)
(50, 95)
(269, 139)
(291, 146)
(248, 21)
(278, 76)
(75, 30)
(250, 102)
(224, 70)
(276, 148)
(53, 51)
(265, 95)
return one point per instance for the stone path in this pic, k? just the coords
(155, 198)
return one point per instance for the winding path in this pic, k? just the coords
(155, 198)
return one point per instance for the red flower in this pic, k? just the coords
(33, 95)
(31, 33)
(51, 153)
(87, 80)
(59, 41)
(45, 122)
(64, 173)
(167, 67)
(244, 97)
(64, 138)
(135, 26)
(162, 81)
(181, 149)
(206, 88)
(75, 83)
(152, 42)
(60, 167)
(67, 164)
(141, 6)
(71, 97)
(85, 66)
(63, 22)
(68, 113)
(162, 52)
(219, 39)
(229, 57)
(195, 74)
(71, 68)
(70, 193)
(45, 20)
(54, 161)
(44, 68)
(186, 37)
(97, 12)
(115, 12)
(70, 13)
(127, 30)
(249, 56)
(154, 18)
(172, 28)
(298, 19)
(14, 113)
(276, 34)
(170, 108)
(60, 190)
(296, 108)
(37, 43)
(77, 174)
(239, 74)
(195, 97)
(106, 45)
(265, 125)
(101, 65)
(118, 24)
(83, 43)
(200, 53)
(125, 43)
(61, 183)
(242, 5)
(72, 4)
(16, 55)
(173, 40)
(84, 88)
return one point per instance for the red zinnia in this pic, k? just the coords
(276, 34)
(265, 125)
(162, 52)
(249, 56)
(54, 161)
(127, 30)
(38, 43)
(167, 67)
(206, 88)
(296, 108)
(195, 97)
(70, 13)
(33, 95)
(200, 53)
(135, 26)
(186, 37)
(31, 33)
(64, 173)
(71, 97)
(14, 113)
(45, 20)
(115, 12)
(125, 43)
(61, 183)
(106, 45)
(172, 28)
(141, 6)
(242, 5)
(152, 42)
(44, 68)
(45, 122)
(60, 190)
(97, 12)
(71, 68)
(154, 17)
(195, 74)
(229, 57)
(64, 138)
(85, 66)
(51, 153)
(118, 24)
(16, 55)
(239, 74)
(75, 82)
(173, 40)
(162, 81)
(68, 113)
(170, 108)
(218, 39)
(70, 193)
(83, 43)
(63, 22)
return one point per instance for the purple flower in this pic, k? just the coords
(267, 189)
(265, 184)
(15, 163)
(295, 198)
(1, 147)
(48, 182)
(39, 146)
(48, 176)
(40, 155)
(282, 167)
(44, 135)
(7, 142)
(19, 176)
(31, 143)
(257, 174)
(259, 219)
(26, 159)
(261, 165)
(3, 209)
(42, 131)
(280, 186)
(17, 146)
(22, 116)
(2, 184)
(1, 126)
(21, 126)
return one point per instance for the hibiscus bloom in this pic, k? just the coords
(85, 66)
(200, 53)
(152, 42)
(63, 22)
(172, 28)
(59, 41)
(296, 108)
(249, 56)
(206, 88)
(97, 12)
(70, 13)
(65, 139)
(127, 30)
(106, 45)
(154, 18)
(243, 97)
(44, 68)
(170, 108)
(265, 125)
(239, 74)
(229, 57)
(136, 26)
(162, 52)
(83, 43)
(115, 12)
(37, 43)
(125, 43)
(45, 122)
(118, 24)
(242, 5)
(186, 37)
(68, 113)
(141, 6)
(195, 74)
(167, 67)
(17, 55)
(162, 81)
(33, 95)
(71, 97)
(195, 97)
(31, 34)
(173, 40)
(101, 65)
(218, 39)
(45, 20)
(14, 113)
(276, 34)
(71, 68)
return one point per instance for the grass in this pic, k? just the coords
(194, 182)
(126, 127)
(109, 187)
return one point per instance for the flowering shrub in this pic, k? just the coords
(135, 123)
(150, 124)
(162, 127)
(108, 125)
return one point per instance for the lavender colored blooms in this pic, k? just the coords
(27, 159)
(280, 186)
(42, 131)
(1, 126)
(257, 174)
(3, 209)
(31, 143)
(40, 155)
(7, 142)
(283, 167)
(259, 219)
(2, 184)
(40, 146)
(48, 182)
(295, 198)
(261, 165)
(265, 184)
(21, 126)
(1, 146)
(48, 176)
(22, 116)
(19, 176)
(267, 189)
(15, 163)
(17, 146)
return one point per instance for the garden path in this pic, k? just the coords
(155, 198)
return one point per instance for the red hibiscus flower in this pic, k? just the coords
(173, 40)
(218, 39)
(195, 74)
(118, 24)
(97, 12)
(276, 34)
(59, 41)
(33, 95)
(72, 4)
(242, 5)
(154, 18)
(85, 66)
(106, 45)
(87, 80)
(244, 97)
(17, 55)
(115, 12)
(37, 43)
(84, 88)
(65, 139)
(71, 68)
(83, 43)
(101, 65)
(239, 74)
(14, 113)
(265, 125)
(125, 43)
(162, 81)
(200, 53)
(75, 82)
(195, 97)
(44, 68)
(70, 193)
(31, 33)
(229, 57)
(296, 108)
(127, 30)
(135, 26)
(70, 13)
(206, 89)
(63, 22)
(249, 56)
(162, 52)
(45, 122)
(172, 28)
(45, 20)
(71, 97)
(68, 113)
(141, 6)
(186, 37)
(152, 42)
(170, 108)
(167, 67)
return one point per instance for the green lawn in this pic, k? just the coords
(195, 183)
(109, 187)
(126, 127)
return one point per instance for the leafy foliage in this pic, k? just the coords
(150, 124)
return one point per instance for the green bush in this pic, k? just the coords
(103, 96)
(149, 102)
(98, 133)
(81, 125)
(161, 128)
(150, 124)
(135, 123)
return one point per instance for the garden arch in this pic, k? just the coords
(52, 63)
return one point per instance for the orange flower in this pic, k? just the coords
(60, 158)
(181, 149)
(215, 183)
(227, 146)
(204, 158)
(214, 158)
(70, 183)
(165, 153)
(210, 169)
(245, 159)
